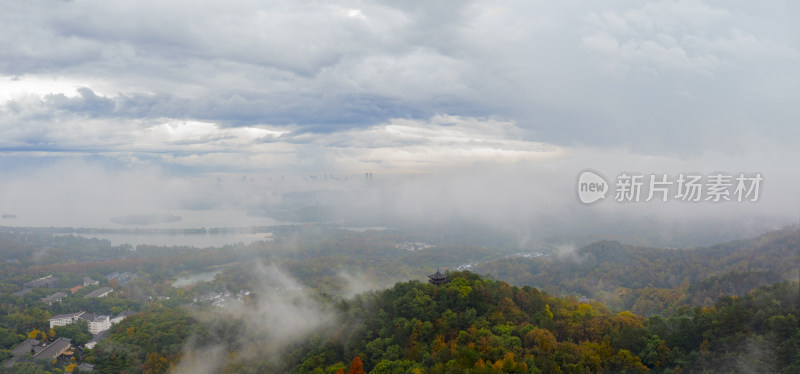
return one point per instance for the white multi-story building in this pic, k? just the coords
(99, 324)
(64, 319)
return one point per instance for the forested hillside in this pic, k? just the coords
(477, 325)
(300, 304)
(656, 280)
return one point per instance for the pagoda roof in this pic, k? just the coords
(437, 278)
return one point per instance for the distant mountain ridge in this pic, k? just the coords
(649, 280)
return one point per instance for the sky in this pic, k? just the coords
(144, 106)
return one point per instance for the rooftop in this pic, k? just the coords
(48, 281)
(24, 347)
(437, 278)
(92, 317)
(99, 292)
(54, 349)
(99, 336)
(125, 314)
(23, 292)
(69, 315)
(54, 297)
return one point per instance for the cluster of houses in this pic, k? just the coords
(63, 348)
(97, 322)
(464, 267)
(56, 297)
(413, 246)
(52, 298)
(221, 300)
(41, 349)
(99, 325)
(528, 255)
(86, 282)
(123, 278)
(44, 282)
(51, 282)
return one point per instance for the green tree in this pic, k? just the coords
(77, 331)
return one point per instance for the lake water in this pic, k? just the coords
(192, 240)
(189, 219)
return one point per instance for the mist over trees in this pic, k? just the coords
(315, 297)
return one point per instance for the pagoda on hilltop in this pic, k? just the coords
(437, 278)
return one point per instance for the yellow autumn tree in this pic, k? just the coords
(33, 334)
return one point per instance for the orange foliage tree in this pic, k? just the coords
(356, 367)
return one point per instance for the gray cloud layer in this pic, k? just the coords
(609, 73)
(414, 87)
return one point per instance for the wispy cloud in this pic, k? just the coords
(282, 315)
